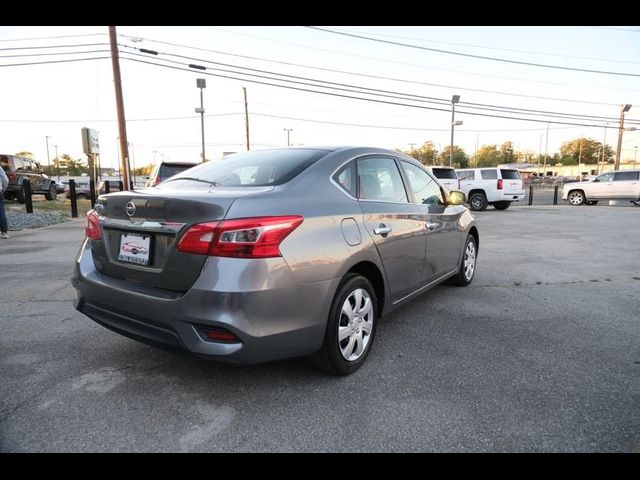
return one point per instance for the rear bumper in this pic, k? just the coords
(272, 317)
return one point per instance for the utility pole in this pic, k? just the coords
(122, 126)
(201, 83)
(288, 130)
(246, 116)
(625, 108)
(546, 150)
(57, 162)
(48, 160)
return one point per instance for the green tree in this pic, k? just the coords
(25, 153)
(459, 157)
(583, 150)
(487, 156)
(69, 166)
(426, 154)
(507, 154)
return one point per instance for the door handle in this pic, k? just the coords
(431, 226)
(382, 229)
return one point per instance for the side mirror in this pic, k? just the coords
(456, 197)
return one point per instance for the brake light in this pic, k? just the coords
(499, 184)
(92, 226)
(258, 237)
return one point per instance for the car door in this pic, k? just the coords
(395, 225)
(601, 187)
(444, 240)
(626, 185)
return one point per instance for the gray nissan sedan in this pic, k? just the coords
(272, 254)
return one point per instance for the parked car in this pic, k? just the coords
(447, 177)
(491, 186)
(164, 170)
(19, 169)
(274, 253)
(83, 191)
(616, 185)
(114, 186)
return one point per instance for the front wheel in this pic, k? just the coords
(21, 196)
(477, 202)
(351, 327)
(52, 193)
(468, 264)
(576, 197)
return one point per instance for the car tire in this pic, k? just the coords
(467, 269)
(21, 196)
(478, 202)
(501, 205)
(576, 197)
(353, 316)
(52, 194)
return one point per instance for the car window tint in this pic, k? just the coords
(625, 176)
(444, 173)
(380, 179)
(345, 177)
(489, 174)
(257, 168)
(465, 174)
(510, 174)
(425, 189)
(605, 177)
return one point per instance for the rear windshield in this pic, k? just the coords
(444, 173)
(167, 171)
(510, 174)
(252, 169)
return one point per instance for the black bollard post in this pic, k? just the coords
(72, 197)
(26, 184)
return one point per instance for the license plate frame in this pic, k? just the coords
(134, 248)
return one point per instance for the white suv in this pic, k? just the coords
(618, 185)
(446, 176)
(491, 186)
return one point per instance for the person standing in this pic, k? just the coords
(4, 182)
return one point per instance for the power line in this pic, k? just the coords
(51, 38)
(102, 44)
(378, 92)
(52, 53)
(378, 77)
(260, 82)
(469, 55)
(424, 66)
(52, 61)
(495, 48)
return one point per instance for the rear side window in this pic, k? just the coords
(489, 174)
(258, 168)
(5, 162)
(466, 174)
(167, 171)
(444, 173)
(622, 176)
(346, 178)
(510, 174)
(380, 179)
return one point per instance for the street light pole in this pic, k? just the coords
(46, 138)
(625, 108)
(288, 130)
(454, 99)
(201, 83)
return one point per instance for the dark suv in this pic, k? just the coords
(20, 168)
(165, 170)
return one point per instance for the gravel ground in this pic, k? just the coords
(22, 220)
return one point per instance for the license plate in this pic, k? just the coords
(134, 248)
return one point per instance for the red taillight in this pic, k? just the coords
(244, 238)
(12, 177)
(499, 184)
(92, 226)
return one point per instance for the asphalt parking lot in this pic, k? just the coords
(540, 354)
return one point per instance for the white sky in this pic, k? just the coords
(58, 99)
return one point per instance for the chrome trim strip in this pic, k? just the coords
(142, 225)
